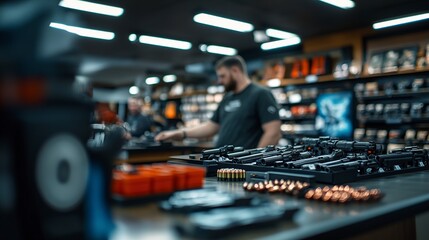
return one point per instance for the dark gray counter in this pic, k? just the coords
(406, 196)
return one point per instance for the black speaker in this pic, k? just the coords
(45, 170)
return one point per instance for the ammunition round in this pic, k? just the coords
(291, 187)
(336, 196)
(327, 196)
(356, 196)
(345, 197)
(317, 195)
(250, 187)
(365, 196)
(326, 189)
(346, 188)
(375, 194)
(309, 194)
(274, 189)
(256, 186)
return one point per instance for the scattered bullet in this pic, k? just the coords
(309, 194)
(345, 197)
(327, 196)
(335, 196)
(341, 194)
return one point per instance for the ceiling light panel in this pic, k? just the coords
(218, 49)
(132, 37)
(281, 43)
(165, 42)
(84, 32)
(274, 33)
(222, 22)
(400, 21)
(133, 90)
(152, 80)
(92, 7)
(169, 78)
(344, 4)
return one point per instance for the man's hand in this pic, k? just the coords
(169, 135)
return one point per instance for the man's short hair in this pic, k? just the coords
(231, 61)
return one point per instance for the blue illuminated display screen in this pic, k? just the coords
(334, 114)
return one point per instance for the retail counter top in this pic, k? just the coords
(406, 195)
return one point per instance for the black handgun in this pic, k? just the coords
(244, 153)
(396, 161)
(361, 166)
(420, 156)
(282, 157)
(214, 153)
(314, 145)
(269, 150)
(325, 166)
(337, 154)
(367, 148)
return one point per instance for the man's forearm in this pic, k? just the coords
(271, 135)
(207, 129)
(269, 138)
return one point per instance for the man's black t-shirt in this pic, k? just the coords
(242, 115)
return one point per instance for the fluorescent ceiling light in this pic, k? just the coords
(400, 21)
(92, 7)
(218, 49)
(132, 37)
(84, 32)
(344, 4)
(165, 42)
(221, 22)
(152, 80)
(280, 43)
(133, 90)
(169, 78)
(279, 34)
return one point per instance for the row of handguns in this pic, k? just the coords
(323, 154)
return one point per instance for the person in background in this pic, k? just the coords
(158, 122)
(105, 115)
(247, 116)
(138, 122)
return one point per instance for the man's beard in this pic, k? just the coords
(231, 86)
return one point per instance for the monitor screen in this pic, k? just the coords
(334, 114)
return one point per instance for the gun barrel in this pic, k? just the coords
(299, 163)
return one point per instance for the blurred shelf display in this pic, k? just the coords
(384, 106)
(194, 104)
(199, 108)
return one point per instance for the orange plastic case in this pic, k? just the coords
(157, 179)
